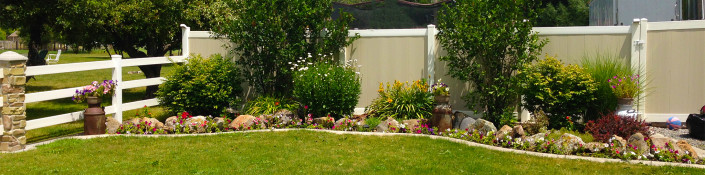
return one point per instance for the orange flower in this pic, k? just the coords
(276, 103)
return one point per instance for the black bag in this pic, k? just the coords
(696, 125)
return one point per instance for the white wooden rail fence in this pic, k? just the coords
(117, 63)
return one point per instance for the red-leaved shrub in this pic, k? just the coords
(612, 124)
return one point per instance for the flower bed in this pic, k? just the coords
(637, 147)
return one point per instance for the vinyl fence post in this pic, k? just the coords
(117, 76)
(430, 55)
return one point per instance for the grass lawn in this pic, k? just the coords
(300, 152)
(75, 79)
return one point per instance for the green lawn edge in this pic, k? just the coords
(294, 152)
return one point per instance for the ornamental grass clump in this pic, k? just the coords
(95, 89)
(402, 101)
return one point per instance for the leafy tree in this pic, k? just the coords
(564, 13)
(138, 28)
(270, 35)
(34, 19)
(486, 47)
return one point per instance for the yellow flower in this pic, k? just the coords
(381, 88)
(389, 100)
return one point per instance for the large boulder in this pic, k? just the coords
(518, 131)
(696, 125)
(112, 125)
(483, 126)
(242, 122)
(595, 147)
(503, 132)
(132, 121)
(385, 125)
(465, 123)
(284, 116)
(660, 141)
(685, 148)
(569, 143)
(638, 144)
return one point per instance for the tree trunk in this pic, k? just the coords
(151, 71)
(35, 40)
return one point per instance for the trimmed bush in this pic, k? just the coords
(327, 89)
(403, 101)
(611, 124)
(558, 90)
(203, 86)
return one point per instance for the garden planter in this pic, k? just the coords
(442, 113)
(624, 104)
(94, 117)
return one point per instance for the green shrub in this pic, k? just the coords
(372, 122)
(402, 101)
(203, 86)
(558, 90)
(270, 34)
(269, 105)
(487, 42)
(327, 89)
(601, 68)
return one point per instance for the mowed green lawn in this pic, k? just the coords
(294, 152)
(76, 79)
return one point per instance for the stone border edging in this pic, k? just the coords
(469, 143)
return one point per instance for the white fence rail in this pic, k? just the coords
(117, 63)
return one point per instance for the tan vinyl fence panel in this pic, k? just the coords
(385, 59)
(676, 62)
(672, 53)
(572, 48)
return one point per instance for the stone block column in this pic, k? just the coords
(13, 108)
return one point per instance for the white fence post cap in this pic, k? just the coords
(11, 56)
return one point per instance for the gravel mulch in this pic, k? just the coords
(681, 134)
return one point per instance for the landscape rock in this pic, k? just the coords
(595, 146)
(685, 148)
(483, 126)
(637, 140)
(132, 121)
(535, 138)
(323, 120)
(197, 124)
(459, 117)
(112, 125)
(386, 124)
(342, 121)
(242, 122)
(284, 116)
(503, 132)
(518, 132)
(411, 124)
(569, 143)
(619, 142)
(465, 123)
(170, 123)
(220, 122)
(660, 141)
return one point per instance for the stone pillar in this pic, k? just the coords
(13, 108)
